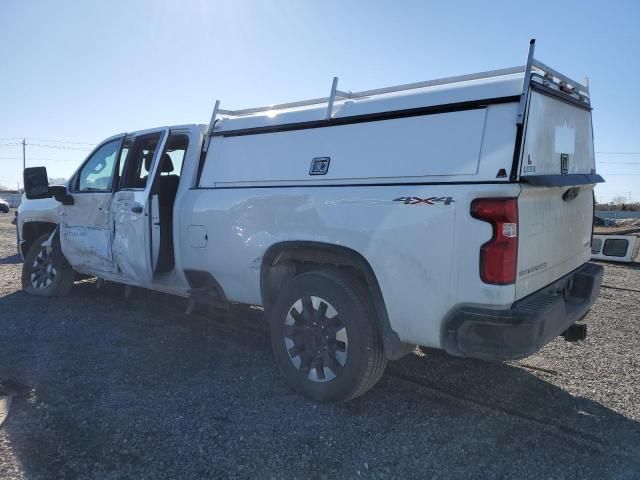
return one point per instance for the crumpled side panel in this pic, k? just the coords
(85, 232)
(88, 209)
(87, 248)
(128, 242)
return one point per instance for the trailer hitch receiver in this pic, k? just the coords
(575, 333)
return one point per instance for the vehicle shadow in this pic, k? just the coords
(11, 260)
(634, 265)
(108, 368)
(514, 391)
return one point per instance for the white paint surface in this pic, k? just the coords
(415, 147)
(555, 127)
(565, 139)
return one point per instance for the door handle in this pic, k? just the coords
(137, 209)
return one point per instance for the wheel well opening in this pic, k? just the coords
(33, 230)
(284, 261)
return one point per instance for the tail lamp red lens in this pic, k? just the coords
(499, 256)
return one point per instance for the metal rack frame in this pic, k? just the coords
(548, 75)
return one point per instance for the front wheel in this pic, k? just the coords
(325, 337)
(45, 271)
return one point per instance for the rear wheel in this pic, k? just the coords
(45, 272)
(325, 338)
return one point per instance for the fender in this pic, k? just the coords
(326, 253)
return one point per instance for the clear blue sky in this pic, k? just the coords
(83, 70)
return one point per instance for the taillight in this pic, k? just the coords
(499, 256)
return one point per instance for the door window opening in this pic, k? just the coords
(139, 160)
(96, 175)
(166, 187)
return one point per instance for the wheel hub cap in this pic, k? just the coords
(42, 271)
(315, 338)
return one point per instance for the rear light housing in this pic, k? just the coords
(499, 256)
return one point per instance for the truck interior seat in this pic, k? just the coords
(167, 190)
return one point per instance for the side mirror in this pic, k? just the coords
(36, 183)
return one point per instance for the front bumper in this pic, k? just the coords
(529, 324)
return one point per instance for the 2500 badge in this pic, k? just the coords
(426, 201)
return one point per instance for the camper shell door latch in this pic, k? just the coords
(319, 166)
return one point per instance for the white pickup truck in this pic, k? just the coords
(454, 214)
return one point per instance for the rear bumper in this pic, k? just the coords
(529, 324)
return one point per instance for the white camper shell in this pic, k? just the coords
(454, 214)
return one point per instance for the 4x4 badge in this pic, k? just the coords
(427, 201)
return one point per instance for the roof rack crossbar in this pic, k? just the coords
(335, 94)
(250, 111)
(212, 122)
(332, 97)
(342, 95)
(525, 84)
(440, 81)
(562, 78)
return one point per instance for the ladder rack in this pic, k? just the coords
(342, 95)
(533, 67)
(549, 74)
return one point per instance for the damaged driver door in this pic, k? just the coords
(135, 210)
(85, 226)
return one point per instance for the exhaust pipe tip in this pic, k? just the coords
(575, 333)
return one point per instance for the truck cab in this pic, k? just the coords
(115, 218)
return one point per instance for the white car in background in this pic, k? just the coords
(4, 206)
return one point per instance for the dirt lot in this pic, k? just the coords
(136, 388)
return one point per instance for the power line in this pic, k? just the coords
(59, 141)
(43, 159)
(619, 163)
(617, 153)
(57, 147)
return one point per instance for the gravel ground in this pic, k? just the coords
(136, 388)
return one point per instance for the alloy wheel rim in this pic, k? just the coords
(42, 271)
(315, 338)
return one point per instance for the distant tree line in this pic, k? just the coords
(52, 181)
(57, 180)
(619, 207)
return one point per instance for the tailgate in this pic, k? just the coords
(556, 203)
(555, 234)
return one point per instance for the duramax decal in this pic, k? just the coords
(426, 201)
(537, 268)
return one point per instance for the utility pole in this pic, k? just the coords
(24, 158)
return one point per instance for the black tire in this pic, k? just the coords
(37, 276)
(348, 368)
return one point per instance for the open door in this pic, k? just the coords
(135, 208)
